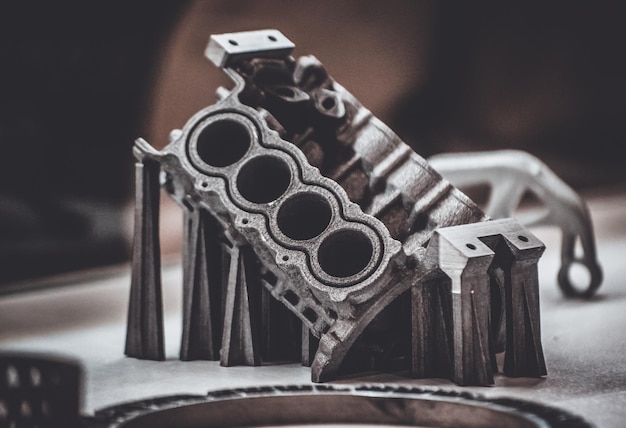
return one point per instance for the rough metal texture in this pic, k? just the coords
(299, 202)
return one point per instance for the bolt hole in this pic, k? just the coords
(233, 42)
(285, 258)
(272, 38)
(245, 221)
(471, 246)
(522, 238)
(263, 179)
(328, 103)
(204, 184)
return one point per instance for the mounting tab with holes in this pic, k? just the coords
(225, 49)
(313, 233)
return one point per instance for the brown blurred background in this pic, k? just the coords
(79, 81)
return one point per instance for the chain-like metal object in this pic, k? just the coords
(313, 232)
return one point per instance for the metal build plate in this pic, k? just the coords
(334, 405)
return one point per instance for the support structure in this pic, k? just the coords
(202, 287)
(456, 333)
(144, 333)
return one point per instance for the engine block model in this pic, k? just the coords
(313, 233)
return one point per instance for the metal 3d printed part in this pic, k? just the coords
(313, 233)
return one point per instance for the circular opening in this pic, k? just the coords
(328, 103)
(345, 253)
(223, 143)
(471, 246)
(304, 216)
(522, 238)
(263, 179)
(272, 38)
(285, 258)
(233, 42)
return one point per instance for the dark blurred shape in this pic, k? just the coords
(39, 391)
(74, 82)
(545, 77)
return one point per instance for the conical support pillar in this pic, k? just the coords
(524, 352)
(202, 285)
(431, 330)
(240, 338)
(144, 331)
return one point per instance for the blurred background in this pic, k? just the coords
(79, 81)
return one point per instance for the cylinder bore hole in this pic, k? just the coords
(304, 216)
(471, 246)
(522, 238)
(263, 179)
(345, 253)
(223, 143)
